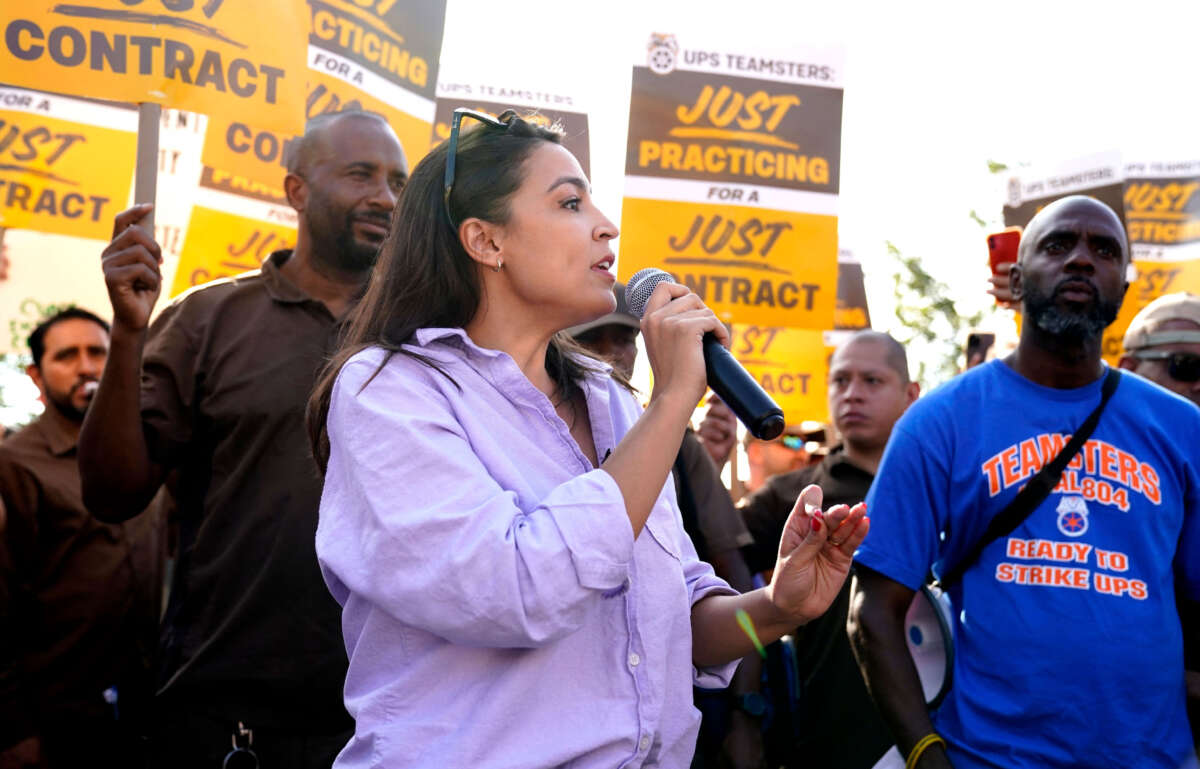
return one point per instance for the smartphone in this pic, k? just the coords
(1002, 247)
(979, 344)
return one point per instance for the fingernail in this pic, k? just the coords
(816, 522)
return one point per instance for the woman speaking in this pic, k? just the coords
(497, 521)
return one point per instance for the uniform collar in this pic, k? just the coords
(839, 466)
(61, 433)
(279, 287)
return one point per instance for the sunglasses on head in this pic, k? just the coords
(1181, 366)
(452, 145)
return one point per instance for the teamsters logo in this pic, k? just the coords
(1072, 515)
(662, 53)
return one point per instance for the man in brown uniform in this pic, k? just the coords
(79, 599)
(251, 642)
(869, 388)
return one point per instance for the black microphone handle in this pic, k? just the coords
(750, 404)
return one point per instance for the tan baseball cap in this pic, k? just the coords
(1143, 329)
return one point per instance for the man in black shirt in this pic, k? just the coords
(869, 389)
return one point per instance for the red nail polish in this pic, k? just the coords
(816, 522)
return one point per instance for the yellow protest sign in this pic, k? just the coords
(732, 172)
(66, 165)
(1154, 278)
(214, 56)
(379, 56)
(745, 263)
(791, 365)
(235, 225)
(1162, 218)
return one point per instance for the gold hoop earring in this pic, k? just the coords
(499, 265)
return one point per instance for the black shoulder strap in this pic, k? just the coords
(1038, 488)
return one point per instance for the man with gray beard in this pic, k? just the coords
(213, 394)
(1052, 621)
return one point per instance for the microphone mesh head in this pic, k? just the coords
(641, 286)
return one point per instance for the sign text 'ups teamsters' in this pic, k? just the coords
(732, 167)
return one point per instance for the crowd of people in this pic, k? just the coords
(392, 501)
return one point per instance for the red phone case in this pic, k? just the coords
(1002, 246)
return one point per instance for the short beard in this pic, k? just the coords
(1068, 326)
(64, 406)
(344, 253)
(349, 255)
(334, 244)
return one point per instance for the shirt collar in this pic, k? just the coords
(279, 287)
(457, 337)
(61, 434)
(839, 466)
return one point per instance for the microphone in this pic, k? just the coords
(761, 416)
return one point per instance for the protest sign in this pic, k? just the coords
(235, 225)
(732, 171)
(1031, 189)
(791, 365)
(852, 312)
(216, 57)
(382, 58)
(560, 111)
(1158, 203)
(66, 165)
(1162, 218)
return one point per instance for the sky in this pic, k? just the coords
(933, 90)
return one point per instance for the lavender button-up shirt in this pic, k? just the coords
(497, 610)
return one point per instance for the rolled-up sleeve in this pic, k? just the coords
(702, 582)
(413, 522)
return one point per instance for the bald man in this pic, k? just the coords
(869, 389)
(213, 393)
(1068, 648)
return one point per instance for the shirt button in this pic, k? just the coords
(644, 743)
(634, 660)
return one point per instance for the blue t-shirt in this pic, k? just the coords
(1068, 643)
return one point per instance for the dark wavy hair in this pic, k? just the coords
(424, 277)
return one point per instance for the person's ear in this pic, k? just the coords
(483, 242)
(1016, 283)
(1128, 362)
(296, 189)
(911, 393)
(35, 374)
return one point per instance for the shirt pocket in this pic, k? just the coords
(664, 528)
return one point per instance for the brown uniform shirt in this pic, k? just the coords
(839, 724)
(79, 599)
(251, 632)
(720, 526)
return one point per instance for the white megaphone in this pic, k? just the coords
(929, 632)
(930, 635)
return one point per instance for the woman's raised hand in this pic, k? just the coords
(815, 553)
(673, 328)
